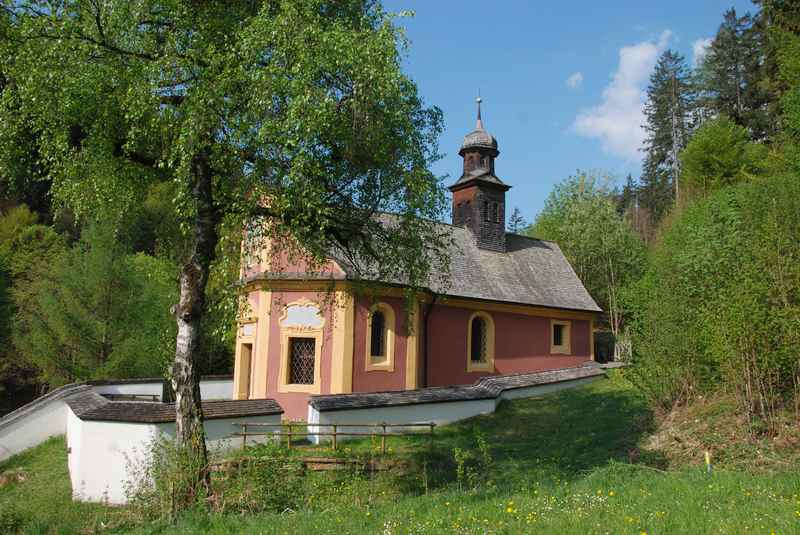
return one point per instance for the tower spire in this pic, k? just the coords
(479, 123)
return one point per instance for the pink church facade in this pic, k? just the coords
(514, 305)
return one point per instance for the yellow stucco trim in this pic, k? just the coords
(261, 353)
(343, 332)
(292, 331)
(488, 364)
(425, 297)
(243, 364)
(387, 363)
(566, 347)
(283, 379)
(412, 364)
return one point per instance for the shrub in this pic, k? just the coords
(719, 154)
(719, 305)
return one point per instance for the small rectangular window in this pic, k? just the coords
(558, 335)
(486, 210)
(301, 361)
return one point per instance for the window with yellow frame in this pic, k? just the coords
(560, 337)
(381, 327)
(301, 328)
(480, 343)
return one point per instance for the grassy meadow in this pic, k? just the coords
(589, 460)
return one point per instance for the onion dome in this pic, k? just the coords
(478, 138)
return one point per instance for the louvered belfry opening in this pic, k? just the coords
(478, 349)
(301, 359)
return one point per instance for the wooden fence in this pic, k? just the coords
(291, 430)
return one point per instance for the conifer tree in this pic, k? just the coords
(517, 223)
(668, 111)
(734, 74)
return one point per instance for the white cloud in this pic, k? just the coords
(700, 49)
(575, 80)
(617, 120)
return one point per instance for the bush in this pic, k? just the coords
(719, 154)
(719, 305)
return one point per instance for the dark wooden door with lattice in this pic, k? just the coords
(301, 353)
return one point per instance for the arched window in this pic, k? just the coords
(377, 348)
(480, 343)
(380, 338)
(477, 351)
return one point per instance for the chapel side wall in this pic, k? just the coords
(522, 345)
(379, 380)
(294, 404)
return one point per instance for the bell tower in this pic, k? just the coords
(479, 197)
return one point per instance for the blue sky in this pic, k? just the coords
(561, 82)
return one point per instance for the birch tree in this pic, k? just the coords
(297, 113)
(581, 215)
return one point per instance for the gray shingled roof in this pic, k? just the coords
(90, 405)
(530, 272)
(486, 388)
(479, 175)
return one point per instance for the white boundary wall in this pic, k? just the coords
(46, 417)
(33, 428)
(212, 389)
(104, 457)
(442, 412)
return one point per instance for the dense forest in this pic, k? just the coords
(697, 262)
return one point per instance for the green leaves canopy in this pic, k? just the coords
(581, 216)
(301, 103)
(720, 153)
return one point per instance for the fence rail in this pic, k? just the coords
(382, 430)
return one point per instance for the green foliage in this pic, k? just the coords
(165, 476)
(516, 223)
(669, 112)
(719, 304)
(581, 216)
(719, 154)
(268, 479)
(13, 222)
(474, 466)
(570, 462)
(99, 313)
(736, 73)
(302, 103)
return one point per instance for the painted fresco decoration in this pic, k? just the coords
(302, 314)
(249, 329)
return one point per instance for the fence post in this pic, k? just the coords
(244, 436)
(289, 437)
(334, 437)
(383, 438)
